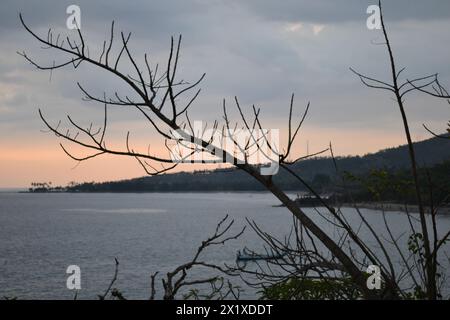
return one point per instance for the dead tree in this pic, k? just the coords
(400, 90)
(296, 258)
(176, 280)
(434, 88)
(301, 270)
(161, 100)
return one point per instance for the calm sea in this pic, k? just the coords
(42, 234)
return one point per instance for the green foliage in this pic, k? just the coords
(381, 185)
(398, 185)
(417, 294)
(312, 289)
(415, 243)
(220, 289)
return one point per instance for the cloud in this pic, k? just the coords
(317, 28)
(293, 27)
(258, 50)
(331, 11)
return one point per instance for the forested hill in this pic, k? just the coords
(318, 171)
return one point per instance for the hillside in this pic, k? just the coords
(318, 171)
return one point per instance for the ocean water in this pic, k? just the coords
(42, 234)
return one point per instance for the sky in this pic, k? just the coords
(261, 51)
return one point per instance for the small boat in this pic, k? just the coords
(245, 255)
(309, 200)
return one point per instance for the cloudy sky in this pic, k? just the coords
(258, 50)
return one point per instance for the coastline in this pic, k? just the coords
(392, 206)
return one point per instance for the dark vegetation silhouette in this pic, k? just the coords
(314, 253)
(319, 172)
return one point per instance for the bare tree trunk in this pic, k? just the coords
(431, 275)
(356, 274)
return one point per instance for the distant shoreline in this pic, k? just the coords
(391, 206)
(378, 206)
(161, 191)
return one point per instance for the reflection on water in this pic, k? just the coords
(124, 210)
